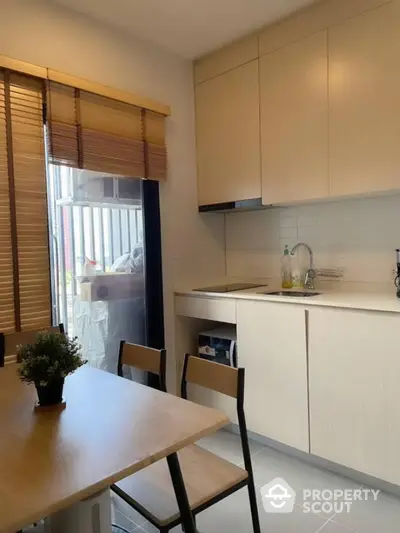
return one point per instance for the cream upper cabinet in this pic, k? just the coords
(226, 58)
(272, 348)
(294, 121)
(315, 17)
(364, 93)
(354, 369)
(228, 136)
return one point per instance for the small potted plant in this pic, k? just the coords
(47, 362)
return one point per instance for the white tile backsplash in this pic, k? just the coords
(287, 233)
(357, 235)
(287, 221)
(252, 243)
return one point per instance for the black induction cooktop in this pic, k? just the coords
(229, 287)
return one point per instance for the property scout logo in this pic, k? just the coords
(279, 497)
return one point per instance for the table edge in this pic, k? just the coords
(107, 482)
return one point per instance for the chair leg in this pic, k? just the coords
(195, 525)
(180, 493)
(254, 508)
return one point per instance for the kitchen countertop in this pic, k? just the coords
(368, 297)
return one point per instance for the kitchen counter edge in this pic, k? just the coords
(383, 302)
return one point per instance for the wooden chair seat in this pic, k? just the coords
(205, 475)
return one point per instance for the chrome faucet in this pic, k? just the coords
(310, 274)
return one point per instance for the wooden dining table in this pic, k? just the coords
(110, 428)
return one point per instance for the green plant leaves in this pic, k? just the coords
(52, 356)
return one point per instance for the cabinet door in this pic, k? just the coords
(228, 136)
(294, 121)
(354, 373)
(364, 102)
(272, 349)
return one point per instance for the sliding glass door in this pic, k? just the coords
(98, 251)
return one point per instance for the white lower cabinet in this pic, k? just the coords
(322, 380)
(272, 349)
(354, 373)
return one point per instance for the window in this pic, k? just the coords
(76, 217)
(97, 260)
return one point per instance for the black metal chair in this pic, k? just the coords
(208, 478)
(143, 358)
(10, 341)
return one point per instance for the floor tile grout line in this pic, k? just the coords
(342, 524)
(241, 462)
(321, 528)
(298, 505)
(336, 518)
(254, 454)
(127, 518)
(141, 524)
(135, 523)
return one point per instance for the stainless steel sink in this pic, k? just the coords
(292, 294)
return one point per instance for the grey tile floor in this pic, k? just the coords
(233, 514)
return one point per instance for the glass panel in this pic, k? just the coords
(97, 256)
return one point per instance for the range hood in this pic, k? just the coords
(240, 205)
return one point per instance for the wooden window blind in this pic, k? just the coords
(98, 133)
(7, 318)
(25, 277)
(63, 134)
(156, 155)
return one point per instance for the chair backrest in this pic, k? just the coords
(224, 379)
(220, 378)
(10, 341)
(143, 358)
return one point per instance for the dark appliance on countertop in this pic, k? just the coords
(230, 287)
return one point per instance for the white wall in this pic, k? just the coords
(358, 235)
(46, 34)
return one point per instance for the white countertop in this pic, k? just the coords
(368, 297)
